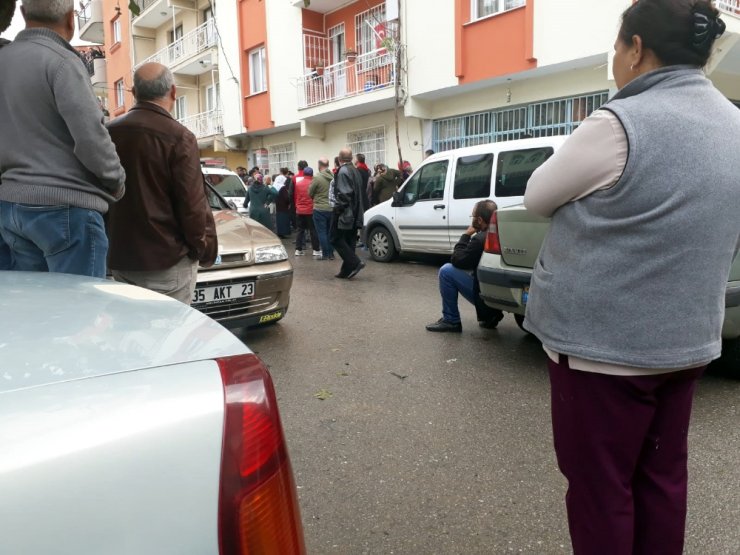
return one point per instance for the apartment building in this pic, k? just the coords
(109, 65)
(319, 74)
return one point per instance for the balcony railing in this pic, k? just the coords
(205, 124)
(369, 72)
(84, 13)
(729, 6)
(191, 44)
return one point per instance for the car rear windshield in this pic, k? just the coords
(515, 167)
(226, 185)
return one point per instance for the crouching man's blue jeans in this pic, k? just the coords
(63, 239)
(451, 282)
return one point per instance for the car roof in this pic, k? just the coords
(207, 170)
(497, 147)
(60, 327)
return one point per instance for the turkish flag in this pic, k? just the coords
(380, 34)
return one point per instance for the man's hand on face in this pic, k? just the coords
(471, 231)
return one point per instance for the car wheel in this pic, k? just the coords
(382, 248)
(729, 363)
(520, 322)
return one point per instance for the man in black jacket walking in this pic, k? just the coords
(347, 215)
(456, 277)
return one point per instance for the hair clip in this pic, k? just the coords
(706, 30)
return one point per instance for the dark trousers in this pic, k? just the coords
(344, 242)
(621, 442)
(305, 223)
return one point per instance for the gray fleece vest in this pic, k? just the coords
(636, 274)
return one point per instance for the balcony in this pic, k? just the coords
(90, 21)
(94, 59)
(193, 54)
(321, 6)
(731, 7)
(155, 13)
(370, 72)
(206, 124)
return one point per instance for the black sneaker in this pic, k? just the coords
(444, 325)
(356, 271)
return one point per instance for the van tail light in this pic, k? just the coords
(258, 505)
(493, 243)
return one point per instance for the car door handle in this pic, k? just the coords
(438, 206)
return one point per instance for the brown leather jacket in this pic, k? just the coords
(165, 214)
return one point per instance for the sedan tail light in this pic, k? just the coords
(258, 505)
(493, 243)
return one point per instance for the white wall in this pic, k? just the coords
(428, 29)
(229, 70)
(284, 59)
(311, 149)
(570, 29)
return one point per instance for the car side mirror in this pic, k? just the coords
(232, 205)
(397, 199)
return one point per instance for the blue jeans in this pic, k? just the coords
(451, 282)
(63, 239)
(322, 222)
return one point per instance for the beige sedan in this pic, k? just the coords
(249, 285)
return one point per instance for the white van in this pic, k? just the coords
(228, 184)
(433, 207)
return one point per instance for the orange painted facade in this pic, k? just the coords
(253, 34)
(347, 15)
(118, 57)
(493, 46)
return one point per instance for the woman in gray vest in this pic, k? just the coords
(627, 296)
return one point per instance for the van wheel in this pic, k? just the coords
(382, 248)
(520, 322)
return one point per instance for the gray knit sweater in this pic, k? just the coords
(54, 148)
(635, 275)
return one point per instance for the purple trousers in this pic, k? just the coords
(621, 442)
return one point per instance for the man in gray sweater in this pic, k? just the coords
(58, 166)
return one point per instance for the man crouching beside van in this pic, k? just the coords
(458, 275)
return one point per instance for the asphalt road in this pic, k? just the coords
(441, 443)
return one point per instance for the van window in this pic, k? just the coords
(473, 176)
(226, 184)
(426, 184)
(515, 167)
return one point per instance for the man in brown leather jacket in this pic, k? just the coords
(164, 226)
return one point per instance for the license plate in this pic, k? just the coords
(525, 295)
(223, 293)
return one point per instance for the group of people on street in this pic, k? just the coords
(644, 199)
(79, 198)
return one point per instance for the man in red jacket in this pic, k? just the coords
(304, 213)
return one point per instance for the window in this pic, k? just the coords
(227, 185)
(515, 167)
(541, 119)
(370, 142)
(213, 98)
(484, 8)
(426, 184)
(281, 156)
(116, 30)
(120, 93)
(473, 176)
(369, 26)
(180, 108)
(210, 27)
(257, 71)
(337, 43)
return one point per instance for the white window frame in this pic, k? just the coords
(257, 81)
(116, 27)
(281, 156)
(337, 45)
(120, 93)
(181, 107)
(365, 37)
(499, 6)
(213, 97)
(370, 142)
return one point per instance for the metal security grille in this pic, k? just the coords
(281, 156)
(540, 119)
(368, 26)
(370, 142)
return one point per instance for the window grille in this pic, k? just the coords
(281, 156)
(368, 25)
(370, 142)
(484, 8)
(540, 119)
